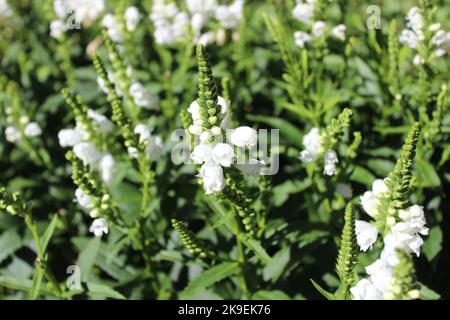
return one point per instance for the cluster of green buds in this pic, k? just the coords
(334, 131)
(194, 245)
(100, 201)
(234, 193)
(348, 254)
(80, 110)
(399, 183)
(404, 285)
(119, 117)
(13, 204)
(122, 74)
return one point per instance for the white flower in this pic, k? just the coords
(132, 152)
(414, 216)
(318, 29)
(418, 60)
(439, 38)
(85, 10)
(132, 18)
(331, 159)
(380, 275)
(225, 114)
(339, 32)
(379, 187)
(204, 7)
(143, 132)
(70, 137)
(301, 38)
(57, 28)
(143, 97)
(5, 10)
(366, 234)
(230, 16)
(99, 227)
(212, 176)
(170, 23)
(440, 52)
(87, 152)
(312, 144)
(415, 20)
(101, 122)
(60, 7)
(195, 130)
(404, 237)
(111, 23)
(83, 199)
(198, 20)
(12, 134)
(409, 38)
(32, 130)
(202, 153)
(206, 38)
(194, 110)
(107, 166)
(244, 137)
(370, 199)
(223, 154)
(304, 12)
(365, 290)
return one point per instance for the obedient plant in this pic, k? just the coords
(224, 149)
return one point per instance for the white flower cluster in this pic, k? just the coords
(99, 226)
(413, 36)
(215, 155)
(404, 235)
(313, 150)
(87, 151)
(5, 10)
(76, 11)
(111, 23)
(304, 12)
(170, 23)
(153, 143)
(141, 95)
(30, 129)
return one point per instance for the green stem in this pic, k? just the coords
(41, 267)
(242, 260)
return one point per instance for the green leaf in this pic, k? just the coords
(9, 243)
(433, 244)
(428, 294)
(96, 290)
(256, 247)
(381, 167)
(87, 257)
(48, 233)
(325, 293)
(209, 277)
(273, 270)
(362, 176)
(19, 284)
(270, 295)
(426, 174)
